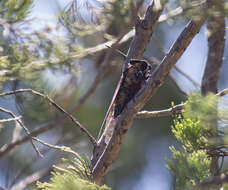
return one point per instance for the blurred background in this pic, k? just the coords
(49, 53)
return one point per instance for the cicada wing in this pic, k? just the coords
(111, 108)
(109, 126)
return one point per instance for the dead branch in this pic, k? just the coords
(82, 129)
(137, 47)
(10, 119)
(178, 109)
(5, 149)
(223, 92)
(22, 125)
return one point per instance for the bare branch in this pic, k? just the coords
(10, 119)
(178, 109)
(22, 125)
(84, 130)
(60, 148)
(5, 149)
(223, 92)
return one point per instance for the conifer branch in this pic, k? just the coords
(77, 124)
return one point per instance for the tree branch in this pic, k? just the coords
(5, 149)
(137, 48)
(178, 109)
(82, 129)
(22, 125)
(10, 119)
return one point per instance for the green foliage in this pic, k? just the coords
(69, 181)
(15, 10)
(189, 168)
(76, 174)
(25, 53)
(192, 165)
(190, 134)
(203, 109)
(115, 17)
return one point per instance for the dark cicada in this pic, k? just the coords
(136, 74)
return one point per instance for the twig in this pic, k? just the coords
(10, 119)
(170, 111)
(162, 113)
(22, 125)
(61, 148)
(34, 133)
(223, 92)
(30, 179)
(84, 130)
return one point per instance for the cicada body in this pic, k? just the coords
(133, 77)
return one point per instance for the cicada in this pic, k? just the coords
(132, 79)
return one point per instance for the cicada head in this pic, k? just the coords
(142, 66)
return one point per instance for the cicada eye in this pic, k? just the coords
(143, 65)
